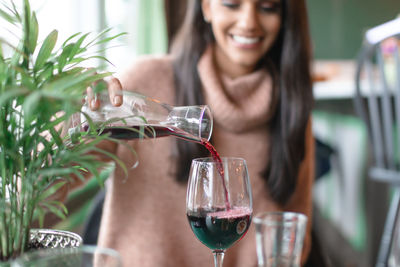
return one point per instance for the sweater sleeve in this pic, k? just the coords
(152, 76)
(301, 201)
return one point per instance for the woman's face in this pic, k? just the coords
(244, 31)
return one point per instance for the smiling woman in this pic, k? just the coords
(244, 30)
(248, 60)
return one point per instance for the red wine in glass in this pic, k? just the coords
(219, 229)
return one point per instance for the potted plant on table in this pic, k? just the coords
(41, 89)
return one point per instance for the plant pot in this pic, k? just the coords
(42, 239)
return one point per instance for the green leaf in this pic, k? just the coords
(70, 38)
(30, 105)
(62, 171)
(77, 60)
(15, 11)
(26, 26)
(75, 70)
(47, 72)
(39, 214)
(51, 190)
(106, 40)
(11, 19)
(113, 157)
(62, 59)
(7, 96)
(77, 46)
(58, 211)
(101, 58)
(27, 80)
(33, 33)
(55, 122)
(103, 33)
(63, 207)
(27, 8)
(79, 175)
(46, 49)
(101, 86)
(18, 53)
(56, 136)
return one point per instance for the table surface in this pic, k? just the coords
(334, 79)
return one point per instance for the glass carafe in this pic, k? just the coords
(140, 116)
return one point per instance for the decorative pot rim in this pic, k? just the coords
(51, 238)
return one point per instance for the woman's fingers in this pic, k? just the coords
(115, 91)
(91, 97)
(92, 100)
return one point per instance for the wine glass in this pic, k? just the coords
(219, 203)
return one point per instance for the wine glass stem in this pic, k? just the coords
(218, 257)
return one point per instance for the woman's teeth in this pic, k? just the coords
(245, 40)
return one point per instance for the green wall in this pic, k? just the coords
(337, 26)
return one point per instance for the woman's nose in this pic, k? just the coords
(248, 19)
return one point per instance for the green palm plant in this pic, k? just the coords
(41, 89)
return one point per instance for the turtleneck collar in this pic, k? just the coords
(238, 104)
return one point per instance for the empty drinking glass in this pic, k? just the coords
(279, 237)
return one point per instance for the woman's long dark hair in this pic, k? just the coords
(290, 57)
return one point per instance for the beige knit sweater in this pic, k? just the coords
(144, 214)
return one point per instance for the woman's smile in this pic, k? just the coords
(246, 41)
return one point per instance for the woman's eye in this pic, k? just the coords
(230, 4)
(270, 7)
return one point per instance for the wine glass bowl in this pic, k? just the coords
(219, 202)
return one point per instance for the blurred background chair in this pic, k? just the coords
(377, 102)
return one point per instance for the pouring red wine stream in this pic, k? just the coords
(217, 158)
(133, 132)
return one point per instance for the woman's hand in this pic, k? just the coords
(114, 91)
